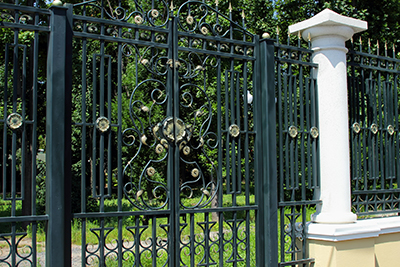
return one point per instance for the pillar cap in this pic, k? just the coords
(328, 18)
(366, 228)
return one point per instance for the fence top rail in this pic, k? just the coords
(364, 54)
(23, 8)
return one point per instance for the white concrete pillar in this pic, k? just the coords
(328, 32)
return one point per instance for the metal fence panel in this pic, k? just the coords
(297, 149)
(22, 82)
(373, 82)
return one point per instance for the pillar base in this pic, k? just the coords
(327, 217)
(368, 243)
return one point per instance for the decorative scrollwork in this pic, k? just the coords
(298, 229)
(157, 16)
(204, 30)
(150, 171)
(138, 19)
(314, 132)
(193, 65)
(390, 129)
(374, 128)
(190, 20)
(155, 13)
(186, 150)
(293, 131)
(195, 173)
(14, 121)
(147, 192)
(159, 149)
(23, 19)
(13, 244)
(174, 129)
(193, 17)
(5, 16)
(234, 130)
(102, 124)
(356, 127)
(92, 250)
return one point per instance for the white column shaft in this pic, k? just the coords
(328, 32)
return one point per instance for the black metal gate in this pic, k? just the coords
(155, 144)
(167, 119)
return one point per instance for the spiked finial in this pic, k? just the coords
(360, 40)
(369, 42)
(243, 16)
(299, 34)
(216, 2)
(277, 30)
(309, 37)
(377, 44)
(230, 7)
(172, 5)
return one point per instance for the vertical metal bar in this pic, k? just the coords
(175, 214)
(227, 164)
(137, 242)
(83, 144)
(119, 149)
(192, 237)
(207, 238)
(308, 125)
(220, 160)
(233, 140)
(239, 143)
(396, 123)
(24, 128)
(109, 133)
(314, 120)
(154, 243)
(94, 130)
(303, 135)
(246, 136)
(34, 137)
(58, 249)
(248, 238)
(170, 164)
(5, 111)
(102, 139)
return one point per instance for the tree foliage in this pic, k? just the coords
(259, 15)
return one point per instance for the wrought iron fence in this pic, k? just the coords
(374, 83)
(297, 148)
(162, 111)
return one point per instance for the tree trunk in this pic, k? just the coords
(214, 203)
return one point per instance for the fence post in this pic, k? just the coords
(267, 252)
(58, 230)
(328, 32)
